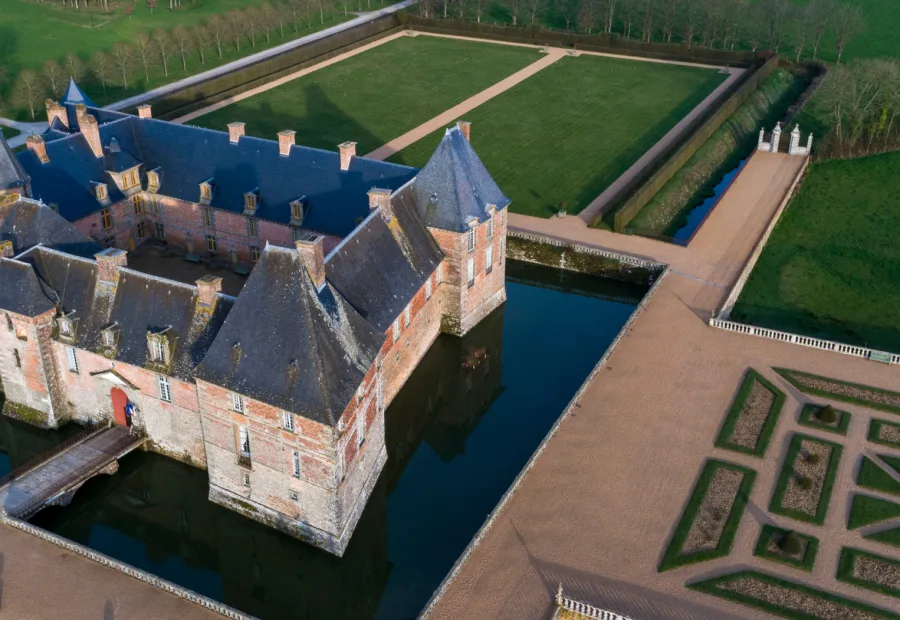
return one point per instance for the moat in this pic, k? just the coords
(457, 435)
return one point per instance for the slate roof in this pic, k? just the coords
(375, 272)
(12, 175)
(28, 223)
(290, 346)
(140, 303)
(20, 290)
(454, 185)
(75, 95)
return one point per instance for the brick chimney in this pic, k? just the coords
(465, 127)
(348, 150)
(235, 131)
(6, 249)
(145, 111)
(109, 261)
(36, 144)
(54, 110)
(89, 128)
(381, 198)
(207, 287)
(285, 142)
(313, 258)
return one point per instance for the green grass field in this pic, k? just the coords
(566, 133)
(831, 267)
(375, 96)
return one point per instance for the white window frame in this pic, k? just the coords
(109, 340)
(73, 361)
(396, 329)
(287, 420)
(470, 271)
(489, 259)
(158, 351)
(165, 389)
(490, 228)
(237, 402)
(244, 440)
(470, 240)
(360, 428)
(437, 274)
(295, 463)
(428, 288)
(406, 316)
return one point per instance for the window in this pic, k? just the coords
(254, 253)
(489, 259)
(295, 497)
(160, 230)
(237, 401)
(490, 228)
(437, 274)
(470, 239)
(297, 210)
(157, 350)
(73, 362)
(165, 391)
(287, 420)
(250, 202)
(106, 219)
(470, 271)
(205, 191)
(9, 323)
(396, 330)
(428, 288)
(17, 358)
(141, 230)
(251, 226)
(155, 207)
(406, 316)
(101, 191)
(210, 243)
(244, 439)
(152, 180)
(130, 179)
(109, 339)
(110, 242)
(207, 217)
(138, 204)
(296, 464)
(64, 327)
(246, 479)
(360, 428)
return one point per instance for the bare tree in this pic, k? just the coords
(182, 43)
(568, 9)
(55, 76)
(75, 66)
(535, 8)
(670, 10)
(514, 6)
(144, 53)
(164, 45)
(267, 18)
(649, 14)
(28, 90)
(848, 23)
(252, 24)
(201, 39)
(801, 22)
(733, 14)
(587, 15)
(102, 66)
(282, 16)
(236, 27)
(775, 13)
(628, 9)
(610, 14)
(217, 29)
(691, 19)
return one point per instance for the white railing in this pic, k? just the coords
(806, 341)
(589, 611)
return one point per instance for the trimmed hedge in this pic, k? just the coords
(866, 510)
(670, 160)
(875, 427)
(710, 586)
(787, 471)
(723, 440)
(886, 537)
(789, 375)
(872, 476)
(845, 571)
(809, 418)
(804, 563)
(673, 558)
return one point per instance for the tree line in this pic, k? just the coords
(723, 24)
(162, 51)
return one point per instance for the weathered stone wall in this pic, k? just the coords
(25, 384)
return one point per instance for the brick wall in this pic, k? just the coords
(25, 382)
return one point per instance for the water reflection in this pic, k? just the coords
(457, 434)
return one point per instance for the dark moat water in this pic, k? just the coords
(457, 435)
(698, 214)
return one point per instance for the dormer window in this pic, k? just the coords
(101, 193)
(153, 180)
(109, 340)
(159, 346)
(130, 178)
(298, 211)
(66, 325)
(251, 200)
(206, 191)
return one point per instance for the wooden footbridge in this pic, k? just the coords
(55, 476)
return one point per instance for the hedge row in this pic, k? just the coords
(222, 87)
(601, 42)
(657, 174)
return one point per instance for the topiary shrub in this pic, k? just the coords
(805, 482)
(790, 543)
(812, 459)
(827, 414)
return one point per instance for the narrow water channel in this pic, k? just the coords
(457, 435)
(696, 215)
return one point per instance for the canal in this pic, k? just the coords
(457, 435)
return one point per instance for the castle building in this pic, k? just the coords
(355, 266)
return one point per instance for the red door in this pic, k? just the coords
(119, 400)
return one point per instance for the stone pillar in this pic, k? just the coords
(109, 261)
(54, 110)
(762, 140)
(235, 131)
(207, 289)
(145, 111)
(286, 140)
(776, 137)
(348, 151)
(809, 145)
(313, 258)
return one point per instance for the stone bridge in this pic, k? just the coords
(54, 478)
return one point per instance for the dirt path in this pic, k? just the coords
(449, 116)
(598, 507)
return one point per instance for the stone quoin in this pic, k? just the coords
(355, 267)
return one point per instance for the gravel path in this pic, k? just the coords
(753, 417)
(877, 571)
(807, 500)
(707, 528)
(795, 600)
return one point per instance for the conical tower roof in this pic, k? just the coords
(74, 95)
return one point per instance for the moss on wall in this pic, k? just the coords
(571, 259)
(26, 414)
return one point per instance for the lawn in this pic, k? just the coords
(376, 96)
(831, 267)
(565, 134)
(32, 33)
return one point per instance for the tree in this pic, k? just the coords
(848, 23)
(647, 21)
(775, 13)
(252, 23)
(182, 43)
(75, 66)
(610, 13)
(28, 90)
(164, 45)
(819, 15)
(102, 66)
(217, 31)
(535, 7)
(144, 53)
(268, 16)
(55, 77)
(282, 16)
(670, 13)
(628, 8)
(123, 57)
(152, 5)
(587, 15)
(236, 28)
(691, 17)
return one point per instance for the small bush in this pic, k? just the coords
(790, 543)
(827, 414)
(805, 482)
(812, 459)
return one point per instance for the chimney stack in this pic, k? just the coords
(109, 261)
(381, 199)
(145, 111)
(6, 249)
(207, 288)
(89, 128)
(36, 144)
(465, 127)
(235, 131)
(313, 258)
(285, 142)
(54, 110)
(348, 151)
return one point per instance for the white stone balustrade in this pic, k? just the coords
(794, 147)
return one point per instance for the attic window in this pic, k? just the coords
(298, 211)
(153, 180)
(130, 178)
(65, 327)
(206, 189)
(250, 201)
(159, 345)
(108, 335)
(101, 191)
